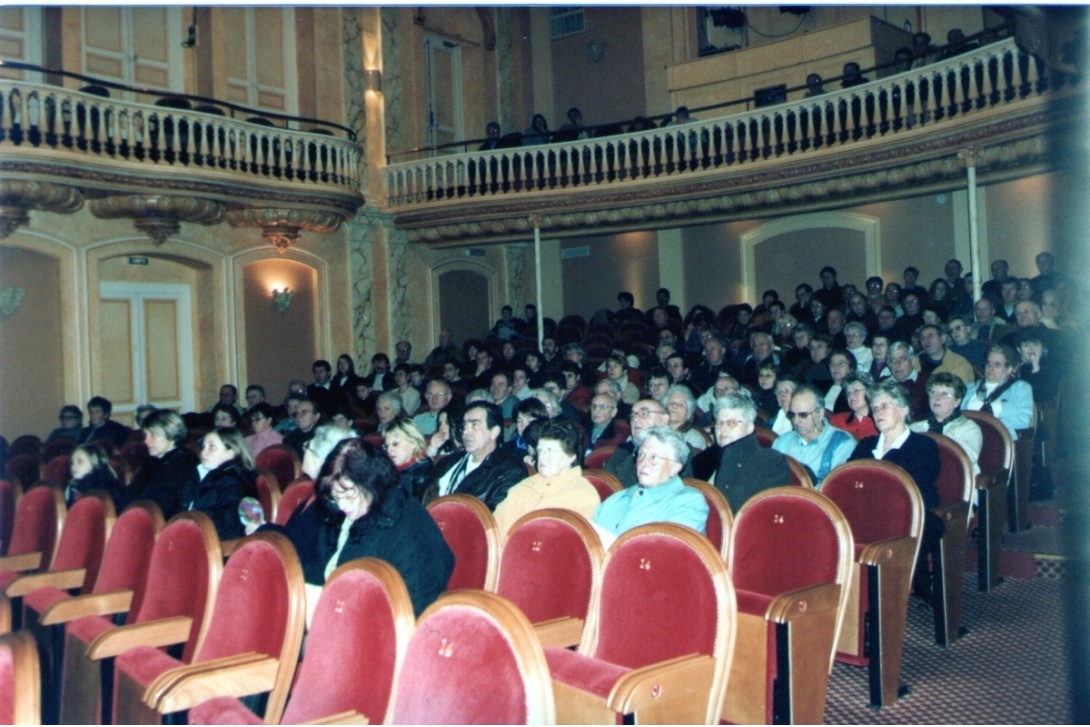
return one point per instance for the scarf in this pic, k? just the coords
(999, 390)
(934, 425)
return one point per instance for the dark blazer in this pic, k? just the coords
(919, 456)
(163, 480)
(500, 471)
(113, 432)
(415, 478)
(218, 495)
(746, 468)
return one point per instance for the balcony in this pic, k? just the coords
(161, 166)
(908, 133)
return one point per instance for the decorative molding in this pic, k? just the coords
(18, 197)
(159, 216)
(281, 227)
(488, 28)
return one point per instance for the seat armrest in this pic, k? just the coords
(890, 549)
(163, 632)
(62, 579)
(563, 632)
(667, 680)
(22, 562)
(93, 604)
(341, 718)
(803, 602)
(991, 480)
(953, 512)
(187, 686)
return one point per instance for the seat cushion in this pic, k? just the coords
(87, 628)
(583, 672)
(42, 598)
(145, 663)
(222, 710)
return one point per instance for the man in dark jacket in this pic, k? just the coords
(745, 467)
(486, 470)
(102, 427)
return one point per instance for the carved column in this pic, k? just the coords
(361, 276)
(514, 261)
(379, 261)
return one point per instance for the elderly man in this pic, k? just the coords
(762, 351)
(436, 396)
(660, 495)
(100, 427)
(724, 385)
(1028, 316)
(935, 358)
(602, 427)
(502, 394)
(612, 389)
(902, 369)
(715, 360)
(403, 351)
(306, 416)
(745, 467)
(945, 392)
(486, 470)
(987, 326)
(445, 351)
(646, 413)
(812, 441)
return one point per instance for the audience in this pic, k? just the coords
(229, 477)
(90, 469)
(100, 427)
(71, 418)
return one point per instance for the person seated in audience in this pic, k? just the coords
(907, 324)
(800, 309)
(859, 311)
(785, 389)
(1001, 393)
(923, 52)
(816, 370)
(403, 354)
(551, 357)
(255, 394)
(406, 448)
(100, 427)
(679, 372)
(798, 354)
(520, 382)
(1039, 370)
(535, 369)
(90, 469)
(370, 516)
(956, 45)
(902, 369)
(902, 61)
(811, 441)
(1047, 276)
(762, 352)
(936, 358)
(527, 412)
(626, 308)
(142, 413)
(364, 400)
(764, 394)
(342, 386)
(917, 455)
(834, 328)
(879, 349)
(444, 440)
(617, 371)
(1027, 314)
(486, 470)
(537, 132)
(1008, 299)
(575, 354)
(852, 75)
(815, 86)
(600, 424)
(445, 351)
(320, 391)
(228, 396)
(910, 275)
(1053, 313)
(388, 409)
(705, 404)
(876, 296)
(264, 435)
(855, 337)
(508, 327)
(681, 411)
(646, 413)
(403, 387)
(715, 360)
(502, 393)
(229, 477)
(744, 467)
(841, 363)
(168, 471)
(945, 392)
(306, 417)
(437, 396)
(493, 138)
(857, 421)
(962, 343)
(559, 481)
(71, 419)
(225, 416)
(893, 299)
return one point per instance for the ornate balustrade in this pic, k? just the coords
(100, 146)
(710, 164)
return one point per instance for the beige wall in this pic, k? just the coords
(616, 262)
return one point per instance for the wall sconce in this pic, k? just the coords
(282, 299)
(10, 299)
(372, 80)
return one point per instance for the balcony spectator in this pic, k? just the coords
(923, 53)
(852, 75)
(537, 133)
(815, 86)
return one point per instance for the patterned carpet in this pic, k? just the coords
(1011, 668)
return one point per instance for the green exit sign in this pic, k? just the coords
(138, 261)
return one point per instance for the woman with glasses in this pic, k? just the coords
(857, 421)
(406, 448)
(1001, 393)
(264, 436)
(681, 408)
(944, 393)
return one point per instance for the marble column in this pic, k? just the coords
(505, 69)
(514, 261)
(359, 233)
(379, 261)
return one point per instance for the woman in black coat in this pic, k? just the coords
(168, 471)
(406, 448)
(230, 478)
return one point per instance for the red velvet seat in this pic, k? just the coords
(720, 517)
(26, 444)
(885, 512)
(551, 568)
(38, 519)
(605, 482)
(19, 680)
(248, 646)
(660, 642)
(9, 496)
(356, 641)
(26, 469)
(183, 575)
(57, 470)
(268, 493)
(955, 485)
(791, 559)
(56, 447)
(473, 659)
(297, 493)
(800, 477)
(470, 531)
(282, 461)
(765, 437)
(996, 462)
(597, 459)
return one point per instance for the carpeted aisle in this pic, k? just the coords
(1011, 668)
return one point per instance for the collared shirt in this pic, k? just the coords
(831, 448)
(880, 449)
(670, 502)
(449, 482)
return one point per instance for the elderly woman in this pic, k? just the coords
(785, 389)
(387, 408)
(765, 399)
(1001, 393)
(879, 348)
(264, 436)
(945, 392)
(857, 421)
(169, 470)
(326, 437)
(559, 481)
(229, 477)
(841, 363)
(681, 408)
(855, 333)
(917, 454)
(406, 448)
(369, 516)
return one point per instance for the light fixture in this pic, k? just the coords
(372, 80)
(10, 299)
(282, 298)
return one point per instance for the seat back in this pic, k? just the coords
(58, 446)
(597, 459)
(997, 449)
(720, 517)
(86, 528)
(355, 644)
(605, 482)
(20, 680)
(9, 494)
(25, 444)
(956, 481)
(296, 494)
(800, 477)
(470, 531)
(38, 518)
(551, 565)
(57, 471)
(787, 538)
(878, 498)
(280, 459)
(127, 555)
(260, 607)
(26, 469)
(132, 454)
(183, 574)
(268, 493)
(473, 659)
(765, 437)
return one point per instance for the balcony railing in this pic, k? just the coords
(958, 89)
(132, 136)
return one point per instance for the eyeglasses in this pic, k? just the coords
(942, 395)
(653, 458)
(732, 423)
(602, 407)
(793, 415)
(437, 395)
(644, 413)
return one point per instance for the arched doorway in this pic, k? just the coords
(463, 302)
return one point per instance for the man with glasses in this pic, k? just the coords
(660, 495)
(935, 358)
(486, 470)
(71, 419)
(812, 441)
(742, 467)
(306, 417)
(437, 396)
(603, 426)
(646, 414)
